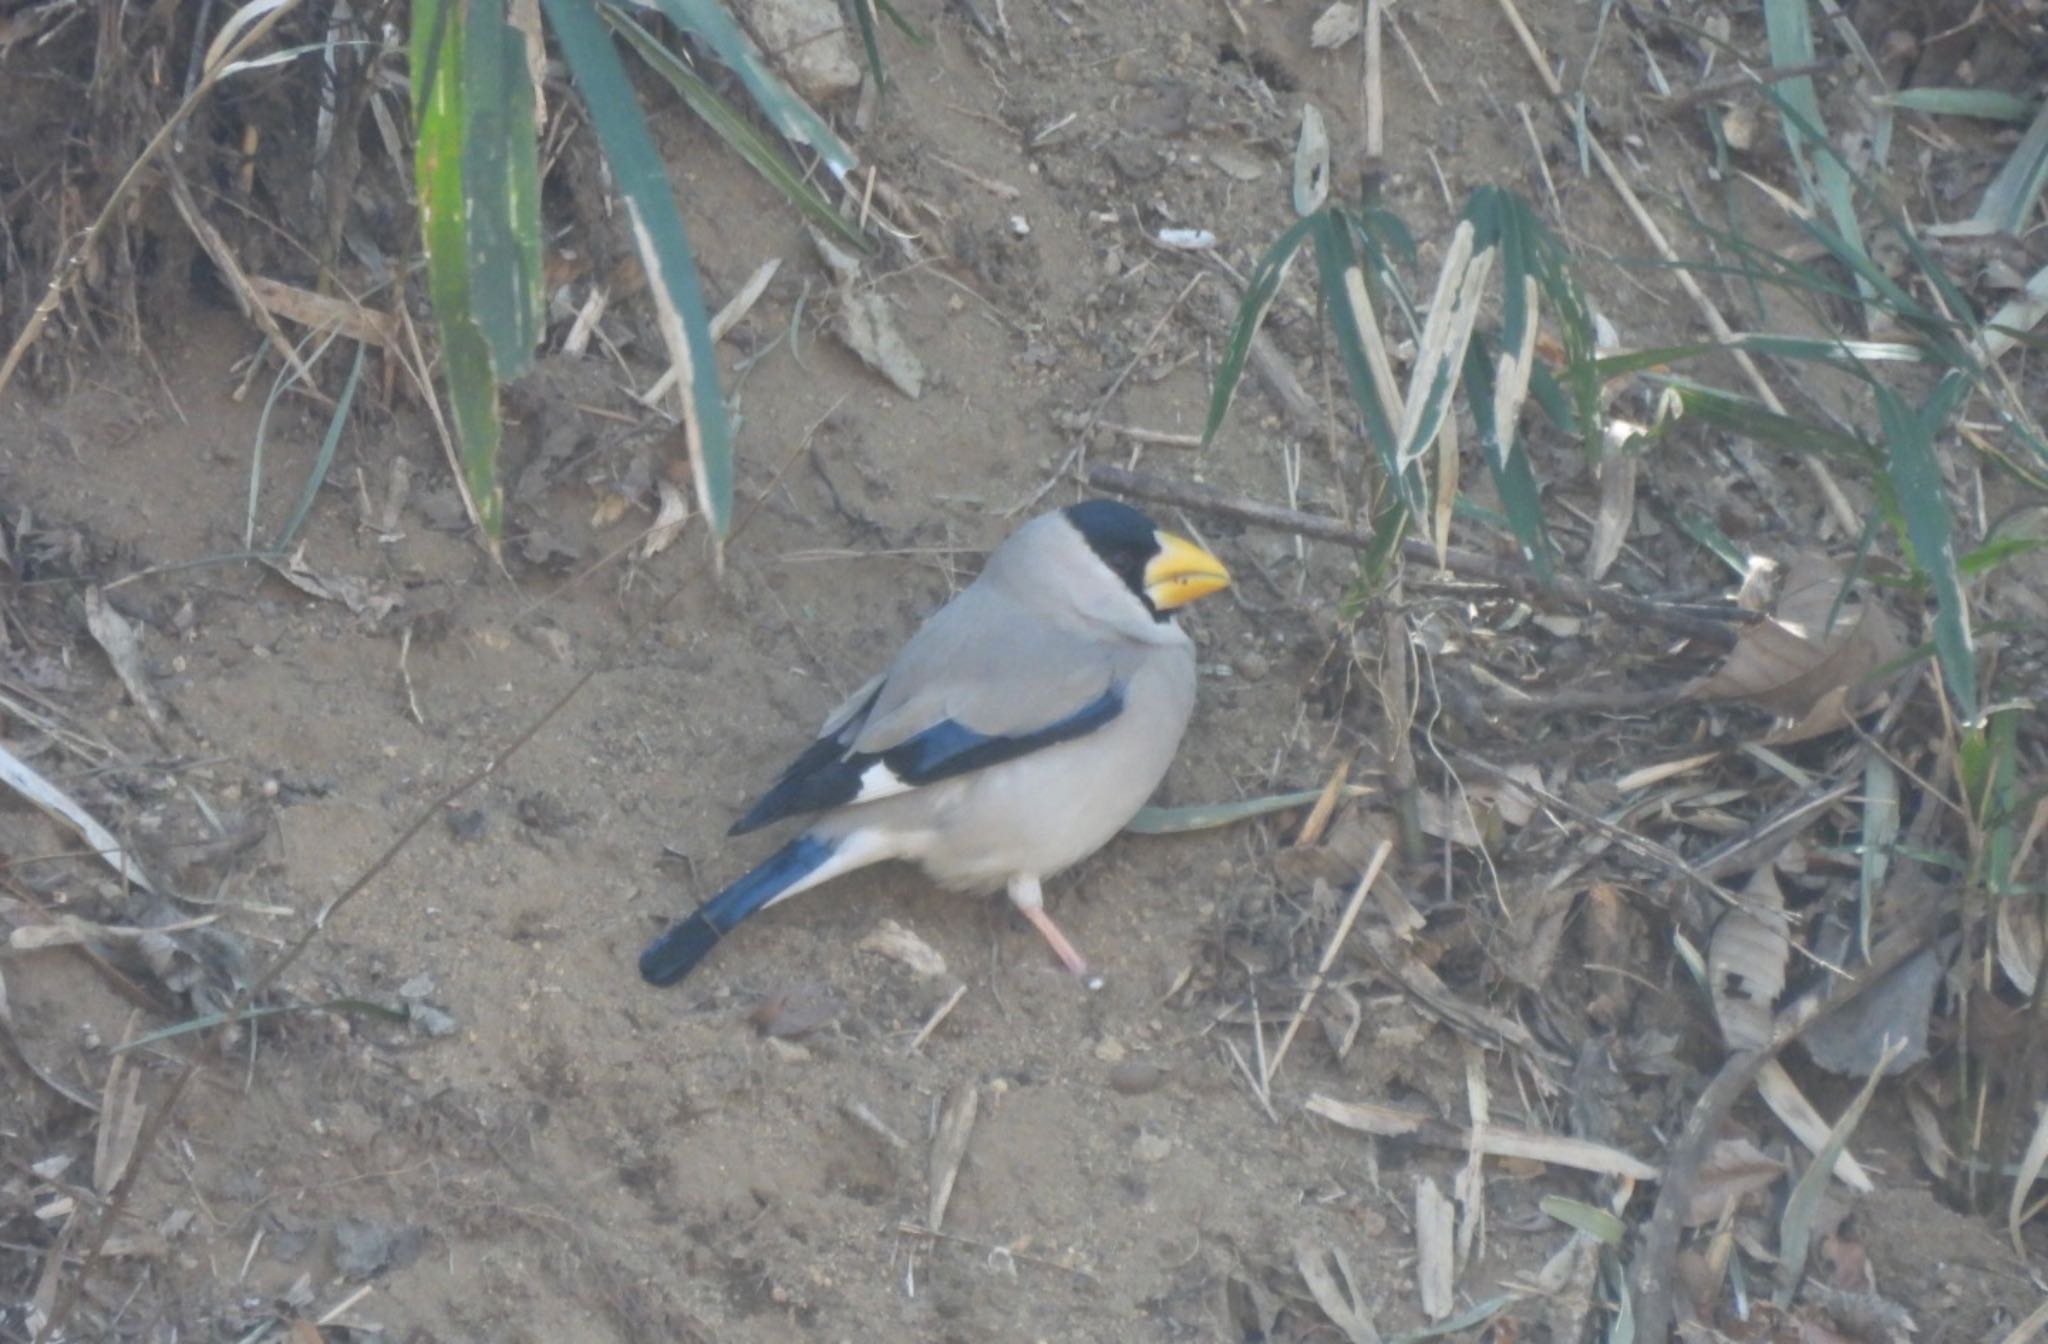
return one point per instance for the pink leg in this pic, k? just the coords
(1025, 895)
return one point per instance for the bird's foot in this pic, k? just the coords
(1026, 896)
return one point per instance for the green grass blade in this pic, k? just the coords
(789, 114)
(1983, 104)
(1788, 30)
(760, 153)
(323, 461)
(870, 41)
(663, 242)
(476, 165)
(2010, 198)
(903, 25)
(1915, 477)
(1752, 418)
(1259, 293)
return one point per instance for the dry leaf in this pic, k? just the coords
(356, 594)
(1746, 963)
(1732, 1168)
(949, 1149)
(122, 643)
(668, 523)
(120, 1119)
(1617, 512)
(1799, 667)
(1336, 25)
(866, 324)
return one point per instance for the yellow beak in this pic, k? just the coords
(1182, 572)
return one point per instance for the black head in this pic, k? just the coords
(1126, 540)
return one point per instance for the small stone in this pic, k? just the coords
(1109, 1050)
(1251, 665)
(1152, 1148)
(1136, 1077)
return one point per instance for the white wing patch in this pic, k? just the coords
(878, 781)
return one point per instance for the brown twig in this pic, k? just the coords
(1747, 79)
(1472, 564)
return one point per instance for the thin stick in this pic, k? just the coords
(1336, 945)
(931, 1023)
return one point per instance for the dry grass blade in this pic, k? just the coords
(949, 1149)
(1799, 1115)
(2031, 1163)
(1494, 1141)
(122, 643)
(1436, 1267)
(24, 779)
(1335, 1292)
(121, 1115)
(12, 1043)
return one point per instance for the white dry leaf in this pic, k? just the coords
(668, 520)
(121, 641)
(1327, 1272)
(867, 326)
(24, 779)
(1746, 963)
(897, 943)
(949, 1149)
(1617, 512)
(1337, 25)
(1435, 1261)
(1812, 674)
(357, 594)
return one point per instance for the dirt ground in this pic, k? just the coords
(552, 1150)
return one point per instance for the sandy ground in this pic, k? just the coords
(745, 1158)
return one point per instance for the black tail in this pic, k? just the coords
(676, 953)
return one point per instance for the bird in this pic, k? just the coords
(1017, 731)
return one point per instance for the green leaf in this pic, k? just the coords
(1985, 104)
(1596, 1223)
(1342, 280)
(1259, 293)
(761, 153)
(477, 168)
(2010, 198)
(1752, 418)
(1916, 481)
(1514, 479)
(664, 246)
(789, 114)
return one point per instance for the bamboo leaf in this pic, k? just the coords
(664, 246)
